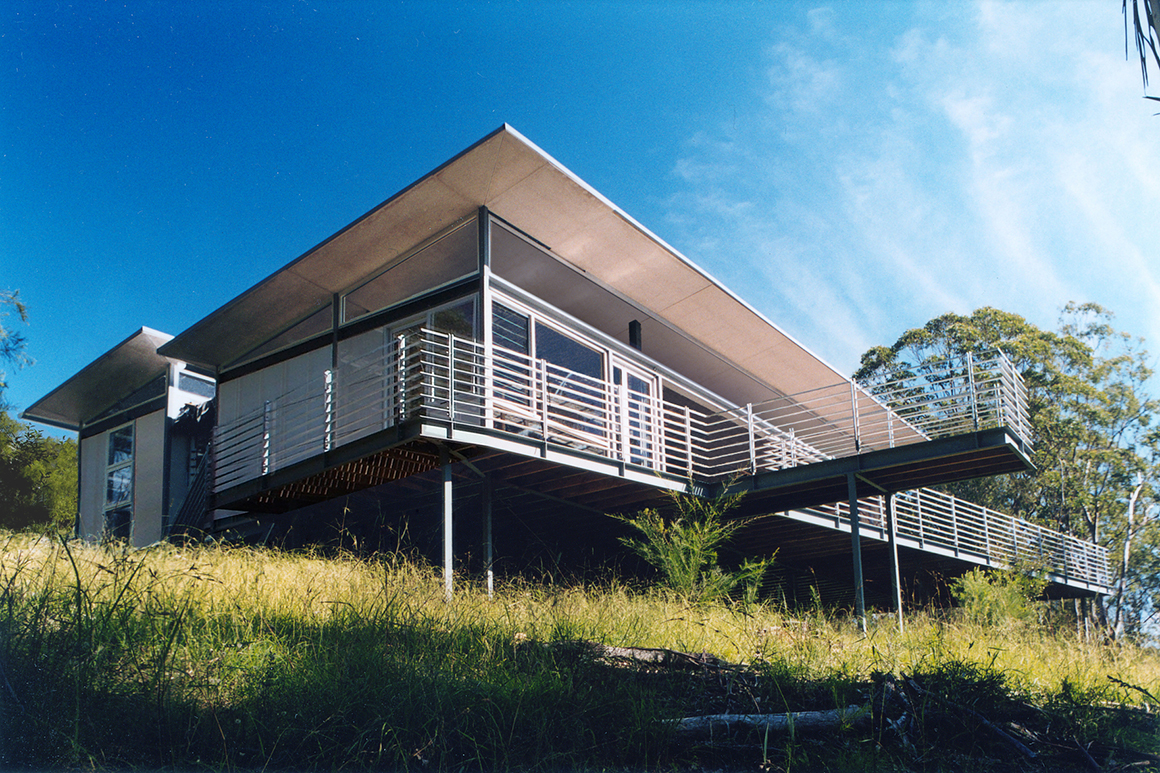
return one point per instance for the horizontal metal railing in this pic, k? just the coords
(934, 520)
(441, 377)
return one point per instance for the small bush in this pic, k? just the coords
(998, 598)
(683, 546)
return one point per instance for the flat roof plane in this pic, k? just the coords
(123, 369)
(523, 185)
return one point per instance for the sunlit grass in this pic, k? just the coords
(235, 657)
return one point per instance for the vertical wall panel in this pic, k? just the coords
(94, 452)
(148, 478)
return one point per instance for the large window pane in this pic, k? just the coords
(566, 352)
(121, 445)
(119, 488)
(509, 328)
(457, 320)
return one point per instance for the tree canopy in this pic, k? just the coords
(12, 341)
(1096, 452)
(38, 474)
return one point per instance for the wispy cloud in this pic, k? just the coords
(995, 154)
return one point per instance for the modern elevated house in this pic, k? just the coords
(497, 356)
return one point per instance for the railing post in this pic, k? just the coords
(328, 431)
(987, 533)
(400, 379)
(688, 441)
(919, 517)
(451, 378)
(267, 420)
(544, 399)
(974, 396)
(854, 417)
(752, 440)
(955, 524)
(1015, 538)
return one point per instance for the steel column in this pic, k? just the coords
(856, 545)
(488, 552)
(448, 501)
(892, 539)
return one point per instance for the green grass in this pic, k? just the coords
(226, 658)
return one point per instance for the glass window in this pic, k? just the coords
(509, 328)
(452, 257)
(119, 482)
(121, 445)
(120, 486)
(458, 320)
(559, 349)
(194, 385)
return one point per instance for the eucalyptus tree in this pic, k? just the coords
(1096, 453)
(12, 341)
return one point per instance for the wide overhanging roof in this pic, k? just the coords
(126, 367)
(523, 185)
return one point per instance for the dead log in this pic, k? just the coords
(796, 720)
(647, 656)
(995, 730)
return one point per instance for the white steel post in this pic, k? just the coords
(895, 577)
(328, 433)
(856, 545)
(974, 397)
(854, 417)
(752, 440)
(448, 501)
(488, 551)
(267, 421)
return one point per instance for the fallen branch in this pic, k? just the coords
(998, 732)
(795, 720)
(647, 656)
(1087, 757)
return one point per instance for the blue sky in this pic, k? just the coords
(851, 169)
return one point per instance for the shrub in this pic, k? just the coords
(998, 597)
(683, 544)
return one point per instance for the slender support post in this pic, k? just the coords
(974, 396)
(955, 525)
(688, 442)
(328, 436)
(267, 423)
(448, 501)
(987, 533)
(856, 544)
(892, 539)
(752, 440)
(401, 376)
(854, 417)
(451, 378)
(488, 551)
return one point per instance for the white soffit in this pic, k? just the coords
(114, 375)
(523, 185)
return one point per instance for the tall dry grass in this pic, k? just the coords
(227, 657)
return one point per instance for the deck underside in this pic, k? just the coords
(561, 495)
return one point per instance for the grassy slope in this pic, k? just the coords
(228, 657)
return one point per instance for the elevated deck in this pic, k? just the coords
(568, 437)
